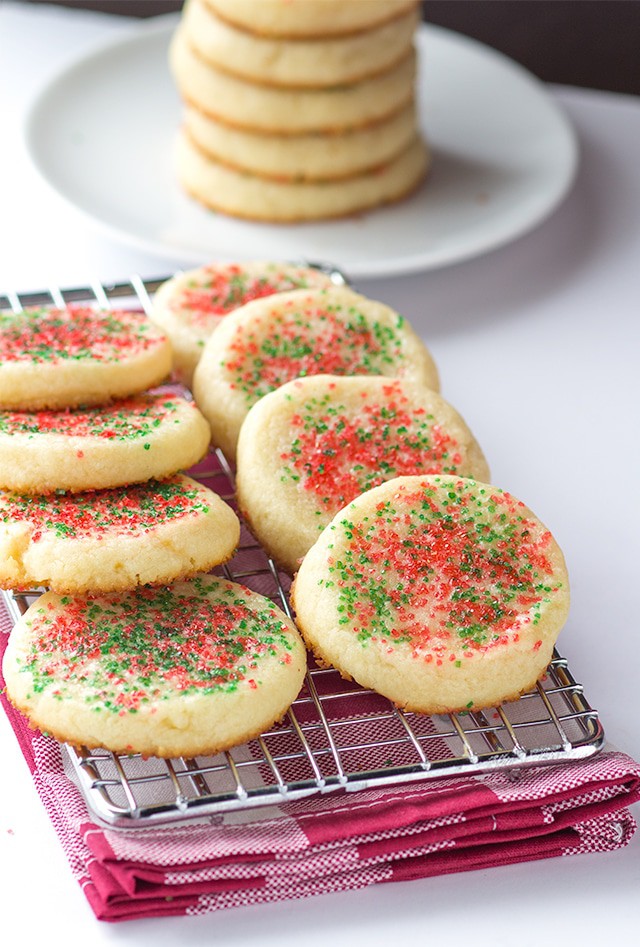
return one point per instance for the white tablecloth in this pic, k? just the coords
(537, 344)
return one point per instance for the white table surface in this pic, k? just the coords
(537, 344)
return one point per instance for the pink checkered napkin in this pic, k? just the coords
(336, 842)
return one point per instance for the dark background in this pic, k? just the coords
(590, 43)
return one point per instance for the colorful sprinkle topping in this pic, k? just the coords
(448, 568)
(133, 509)
(216, 290)
(125, 420)
(336, 453)
(75, 334)
(311, 339)
(130, 650)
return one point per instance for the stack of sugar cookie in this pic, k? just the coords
(318, 394)
(297, 109)
(90, 455)
(92, 504)
(413, 574)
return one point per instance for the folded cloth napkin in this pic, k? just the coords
(334, 842)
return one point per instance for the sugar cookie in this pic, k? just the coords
(187, 670)
(308, 18)
(59, 358)
(441, 593)
(189, 306)
(300, 63)
(288, 111)
(154, 434)
(311, 446)
(109, 540)
(319, 156)
(239, 194)
(305, 332)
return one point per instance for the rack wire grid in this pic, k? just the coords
(336, 736)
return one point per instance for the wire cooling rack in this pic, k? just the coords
(336, 736)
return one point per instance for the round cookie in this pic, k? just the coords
(288, 111)
(238, 194)
(59, 358)
(299, 63)
(309, 18)
(188, 670)
(311, 446)
(305, 332)
(312, 157)
(441, 593)
(110, 540)
(189, 306)
(152, 435)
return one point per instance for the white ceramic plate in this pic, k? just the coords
(101, 134)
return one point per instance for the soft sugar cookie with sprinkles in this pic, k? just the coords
(189, 306)
(110, 540)
(316, 443)
(270, 341)
(191, 669)
(61, 358)
(441, 593)
(152, 435)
